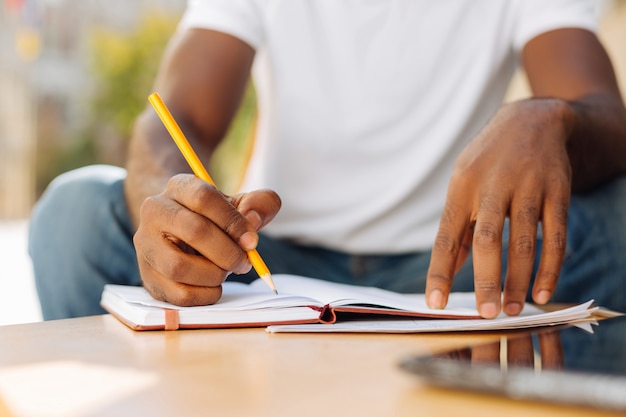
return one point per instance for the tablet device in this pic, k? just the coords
(566, 365)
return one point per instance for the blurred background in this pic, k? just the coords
(73, 77)
(75, 74)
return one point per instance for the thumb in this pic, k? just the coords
(258, 207)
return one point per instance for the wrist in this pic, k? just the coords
(548, 113)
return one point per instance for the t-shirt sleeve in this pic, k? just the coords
(538, 16)
(239, 18)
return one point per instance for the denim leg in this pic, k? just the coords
(401, 272)
(80, 238)
(595, 259)
(285, 257)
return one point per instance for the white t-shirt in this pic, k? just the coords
(364, 105)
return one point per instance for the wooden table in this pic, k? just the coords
(95, 366)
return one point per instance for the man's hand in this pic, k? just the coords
(523, 166)
(191, 236)
(516, 168)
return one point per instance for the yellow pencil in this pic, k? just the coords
(198, 169)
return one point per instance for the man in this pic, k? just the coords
(382, 131)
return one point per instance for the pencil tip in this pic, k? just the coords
(267, 277)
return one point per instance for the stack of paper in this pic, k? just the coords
(531, 317)
(313, 305)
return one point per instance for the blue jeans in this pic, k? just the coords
(80, 239)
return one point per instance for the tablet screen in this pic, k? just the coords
(566, 365)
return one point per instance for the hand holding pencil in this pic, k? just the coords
(190, 156)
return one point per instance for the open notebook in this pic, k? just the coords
(301, 301)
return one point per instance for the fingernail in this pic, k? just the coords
(488, 310)
(543, 296)
(248, 241)
(435, 299)
(513, 309)
(254, 219)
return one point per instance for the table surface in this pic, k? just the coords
(95, 366)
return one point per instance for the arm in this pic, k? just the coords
(202, 79)
(573, 65)
(524, 165)
(189, 235)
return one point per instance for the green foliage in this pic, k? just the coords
(124, 66)
(231, 157)
(52, 161)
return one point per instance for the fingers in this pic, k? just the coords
(487, 255)
(554, 227)
(172, 271)
(525, 212)
(456, 235)
(445, 253)
(464, 250)
(191, 236)
(203, 199)
(179, 224)
(178, 293)
(452, 246)
(176, 259)
(258, 207)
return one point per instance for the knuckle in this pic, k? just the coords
(529, 213)
(196, 232)
(450, 213)
(462, 177)
(561, 179)
(148, 206)
(176, 268)
(178, 182)
(524, 247)
(560, 213)
(201, 196)
(490, 203)
(487, 235)
(487, 285)
(234, 224)
(556, 243)
(173, 183)
(445, 243)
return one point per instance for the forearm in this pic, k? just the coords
(153, 159)
(571, 66)
(597, 143)
(202, 79)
